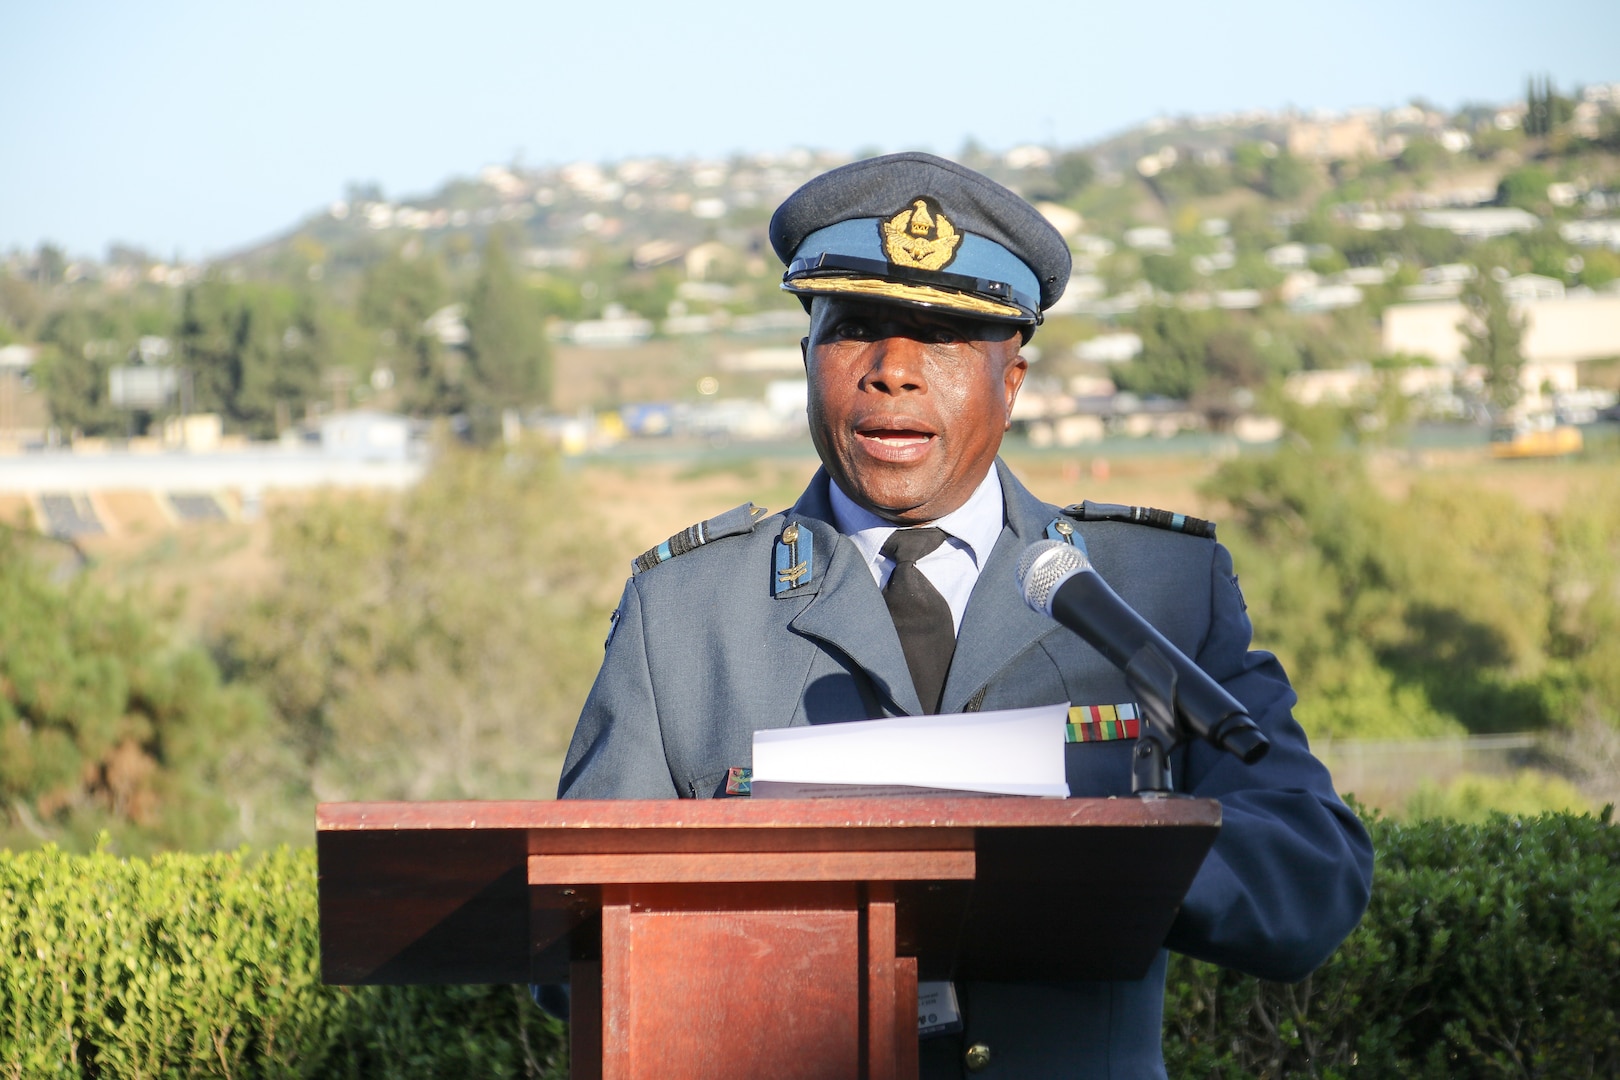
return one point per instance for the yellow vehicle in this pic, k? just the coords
(1535, 438)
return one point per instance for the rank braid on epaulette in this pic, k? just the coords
(1142, 515)
(731, 523)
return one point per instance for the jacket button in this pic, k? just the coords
(977, 1058)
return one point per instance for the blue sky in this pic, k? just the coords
(194, 128)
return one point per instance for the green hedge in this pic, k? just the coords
(209, 965)
(1489, 950)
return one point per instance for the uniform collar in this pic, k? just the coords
(840, 601)
(975, 525)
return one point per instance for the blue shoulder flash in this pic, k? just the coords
(733, 522)
(795, 559)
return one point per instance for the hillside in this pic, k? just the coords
(1215, 256)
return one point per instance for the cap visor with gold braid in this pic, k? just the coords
(918, 230)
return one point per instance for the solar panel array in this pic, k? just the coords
(196, 506)
(67, 515)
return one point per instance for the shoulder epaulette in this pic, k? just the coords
(733, 522)
(1141, 515)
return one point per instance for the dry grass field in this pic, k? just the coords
(197, 569)
(197, 573)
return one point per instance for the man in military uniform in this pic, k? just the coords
(890, 589)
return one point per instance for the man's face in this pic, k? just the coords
(908, 406)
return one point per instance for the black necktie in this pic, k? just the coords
(920, 613)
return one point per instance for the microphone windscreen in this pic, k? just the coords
(1045, 565)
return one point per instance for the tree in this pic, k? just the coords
(508, 357)
(437, 643)
(1491, 335)
(1399, 617)
(1249, 163)
(1169, 273)
(1073, 171)
(1545, 108)
(251, 352)
(397, 297)
(50, 265)
(1286, 177)
(105, 723)
(1525, 188)
(73, 372)
(1172, 362)
(20, 306)
(1421, 155)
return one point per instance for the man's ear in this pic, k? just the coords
(1017, 368)
(804, 351)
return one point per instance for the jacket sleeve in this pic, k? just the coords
(1291, 869)
(618, 749)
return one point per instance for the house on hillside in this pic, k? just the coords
(1481, 223)
(1333, 139)
(1557, 329)
(366, 435)
(1533, 287)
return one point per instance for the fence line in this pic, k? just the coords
(1385, 773)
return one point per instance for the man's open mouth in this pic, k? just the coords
(897, 437)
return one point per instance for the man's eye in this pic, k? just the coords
(855, 330)
(944, 335)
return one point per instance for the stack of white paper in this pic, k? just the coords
(1012, 752)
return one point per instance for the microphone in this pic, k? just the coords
(1059, 581)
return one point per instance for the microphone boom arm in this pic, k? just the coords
(1152, 678)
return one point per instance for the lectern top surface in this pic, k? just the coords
(858, 813)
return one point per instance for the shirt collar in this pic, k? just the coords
(975, 526)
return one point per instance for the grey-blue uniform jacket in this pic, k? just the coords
(703, 653)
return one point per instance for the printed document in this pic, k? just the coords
(1009, 752)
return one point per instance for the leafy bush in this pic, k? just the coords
(1488, 950)
(434, 643)
(1473, 797)
(1422, 614)
(209, 965)
(107, 724)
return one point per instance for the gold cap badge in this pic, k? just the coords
(920, 237)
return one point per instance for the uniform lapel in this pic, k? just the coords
(847, 611)
(998, 626)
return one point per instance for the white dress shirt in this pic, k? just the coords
(953, 567)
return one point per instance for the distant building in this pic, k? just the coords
(1542, 384)
(1028, 157)
(1238, 299)
(449, 325)
(1533, 287)
(1061, 218)
(547, 258)
(616, 328)
(1149, 238)
(1447, 273)
(1290, 256)
(704, 258)
(366, 436)
(18, 357)
(1481, 223)
(1566, 329)
(1602, 233)
(1363, 275)
(1333, 139)
(1110, 348)
(1325, 298)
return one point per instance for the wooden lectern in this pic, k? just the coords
(726, 937)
